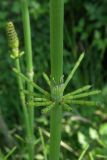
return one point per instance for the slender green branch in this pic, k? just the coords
(73, 70)
(40, 99)
(85, 88)
(48, 108)
(82, 95)
(35, 95)
(82, 102)
(31, 82)
(47, 79)
(67, 107)
(38, 104)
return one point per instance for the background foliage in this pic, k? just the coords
(85, 29)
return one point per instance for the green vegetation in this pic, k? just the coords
(65, 110)
(29, 73)
(56, 50)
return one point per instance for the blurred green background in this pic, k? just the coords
(85, 29)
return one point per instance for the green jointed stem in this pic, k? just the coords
(27, 36)
(15, 54)
(29, 63)
(56, 38)
(56, 49)
(55, 132)
(22, 96)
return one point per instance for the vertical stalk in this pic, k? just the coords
(29, 63)
(22, 96)
(13, 43)
(56, 49)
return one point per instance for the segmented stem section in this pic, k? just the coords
(29, 72)
(56, 38)
(56, 49)
(22, 97)
(13, 43)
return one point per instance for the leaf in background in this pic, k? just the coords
(82, 139)
(93, 133)
(103, 129)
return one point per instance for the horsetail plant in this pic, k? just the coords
(29, 72)
(13, 42)
(51, 103)
(54, 101)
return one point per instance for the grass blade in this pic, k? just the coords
(10, 153)
(83, 152)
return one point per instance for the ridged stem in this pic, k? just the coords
(29, 68)
(56, 49)
(22, 96)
